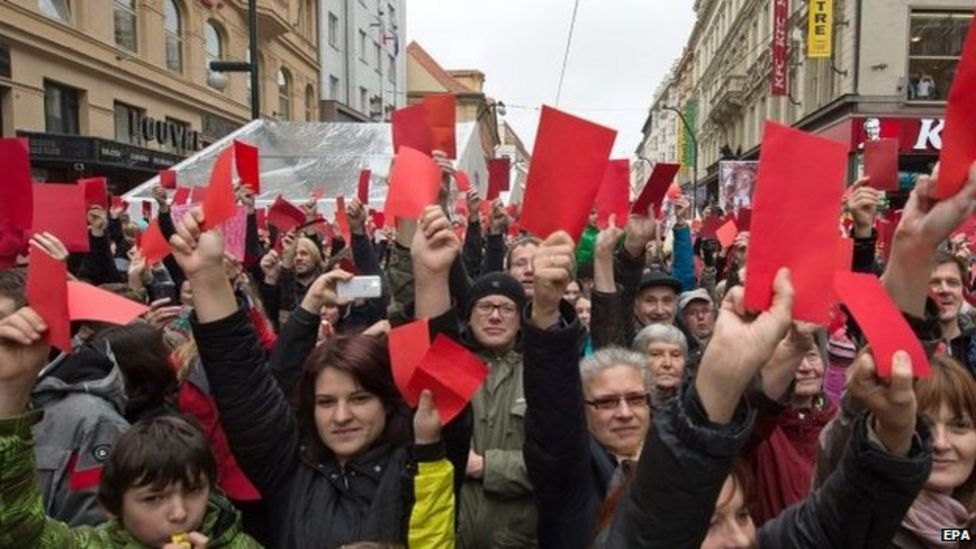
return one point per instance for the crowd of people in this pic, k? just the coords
(631, 399)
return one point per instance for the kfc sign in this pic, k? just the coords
(778, 76)
(915, 135)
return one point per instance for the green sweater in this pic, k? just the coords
(24, 524)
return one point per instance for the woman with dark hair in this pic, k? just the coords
(150, 382)
(342, 470)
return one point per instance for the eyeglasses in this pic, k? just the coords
(504, 309)
(612, 402)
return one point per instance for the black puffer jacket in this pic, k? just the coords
(686, 460)
(314, 504)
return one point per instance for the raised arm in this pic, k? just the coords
(260, 425)
(610, 314)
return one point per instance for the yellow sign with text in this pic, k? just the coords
(820, 33)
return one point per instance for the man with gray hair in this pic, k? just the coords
(667, 351)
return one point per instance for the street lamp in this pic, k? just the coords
(694, 167)
(250, 66)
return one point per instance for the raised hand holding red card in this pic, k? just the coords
(414, 184)
(47, 293)
(613, 198)
(881, 164)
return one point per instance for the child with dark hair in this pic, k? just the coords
(157, 483)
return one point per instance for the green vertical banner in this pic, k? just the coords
(688, 149)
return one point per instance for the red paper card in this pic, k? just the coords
(96, 191)
(117, 202)
(451, 373)
(410, 129)
(146, 209)
(198, 194)
(285, 215)
(845, 254)
(219, 205)
(379, 219)
(463, 182)
(60, 210)
(47, 293)
(16, 194)
(743, 219)
(726, 234)
(797, 200)
(442, 118)
(248, 170)
(568, 161)
(408, 344)
(87, 302)
(881, 164)
(363, 192)
(710, 226)
(153, 244)
(414, 184)
(499, 170)
(261, 218)
(181, 196)
(167, 179)
(341, 220)
(613, 198)
(881, 321)
(958, 137)
(655, 189)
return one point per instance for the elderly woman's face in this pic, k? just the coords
(667, 364)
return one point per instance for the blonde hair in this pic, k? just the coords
(307, 244)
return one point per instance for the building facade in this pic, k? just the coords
(887, 74)
(363, 66)
(122, 88)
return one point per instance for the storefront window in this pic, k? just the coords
(125, 24)
(174, 37)
(60, 109)
(935, 45)
(56, 9)
(127, 120)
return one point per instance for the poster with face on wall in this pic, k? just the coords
(737, 182)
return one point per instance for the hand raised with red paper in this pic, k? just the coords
(426, 420)
(641, 229)
(23, 352)
(740, 345)
(891, 401)
(499, 220)
(97, 221)
(553, 265)
(356, 215)
(435, 246)
(323, 291)
(51, 245)
(607, 239)
(271, 267)
(863, 201)
(195, 250)
(474, 203)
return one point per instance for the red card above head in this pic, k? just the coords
(47, 293)
(341, 219)
(261, 218)
(363, 192)
(958, 137)
(442, 117)
(881, 321)
(285, 215)
(613, 198)
(219, 205)
(726, 233)
(568, 161)
(414, 184)
(198, 194)
(87, 302)
(499, 170)
(379, 219)
(801, 177)
(96, 191)
(710, 226)
(248, 170)
(117, 202)
(881, 164)
(60, 210)
(743, 219)
(181, 196)
(845, 254)
(146, 209)
(463, 182)
(16, 196)
(654, 190)
(153, 244)
(451, 373)
(167, 179)
(410, 129)
(408, 345)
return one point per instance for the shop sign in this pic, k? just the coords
(915, 135)
(779, 72)
(164, 132)
(820, 29)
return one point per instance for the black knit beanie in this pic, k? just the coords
(496, 284)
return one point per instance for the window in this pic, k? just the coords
(127, 120)
(310, 104)
(935, 45)
(125, 24)
(307, 17)
(56, 9)
(362, 45)
(284, 94)
(333, 30)
(333, 88)
(378, 57)
(212, 41)
(60, 108)
(391, 11)
(363, 100)
(174, 37)
(391, 72)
